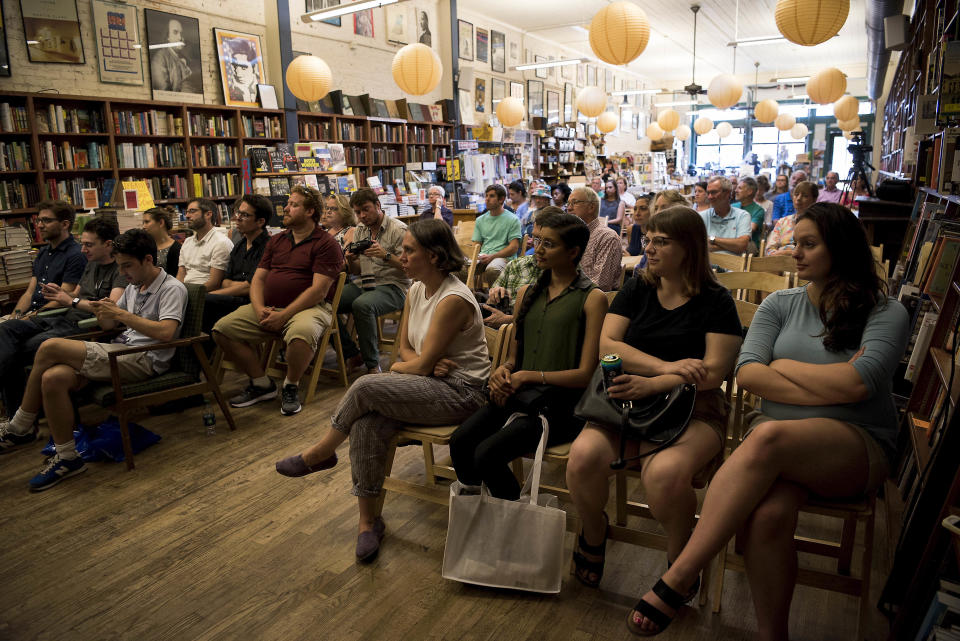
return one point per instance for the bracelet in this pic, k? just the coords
(17, 313)
(509, 366)
(543, 379)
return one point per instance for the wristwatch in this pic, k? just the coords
(713, 240)
(75, 302)
(388, 257)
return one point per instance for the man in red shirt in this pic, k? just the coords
(290, 296)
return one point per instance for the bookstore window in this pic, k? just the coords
(780, 146)
(714, 151)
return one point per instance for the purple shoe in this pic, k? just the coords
(368, 543)
(295, 466)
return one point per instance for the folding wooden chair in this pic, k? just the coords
(471, 251)
(753, 286)
(771, 264)
(386, 343)
(729, 262)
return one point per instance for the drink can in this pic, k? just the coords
(612, 366)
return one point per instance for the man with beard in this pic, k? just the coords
(205, 256)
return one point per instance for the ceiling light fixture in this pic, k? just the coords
(637, 92)
(552, 63)
(678, 103)
(752, 42)
(333, 12)
(795, 80)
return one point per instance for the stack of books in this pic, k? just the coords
(16, 266)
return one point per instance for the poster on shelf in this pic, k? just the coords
(241, 67)
(52, 31)
(117, 38)
(173, 45)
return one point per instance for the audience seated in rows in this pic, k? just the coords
(783, 203)
(151, 309)
(517, 195)
(338, 219)
(629, 200)
(158, 221)
(641, 212)
(540, 199)
(498, 232)
(437, 196)
(780, 242)
(444, 365)
(822, 357)
(560, 194)
(830, 193)
(20, 338)
(665, 199)
(728, 228)
(601, 258)
(611, 207)
(382, 286)
(252, 214)
(673, 324)
(763, 187)
(290, 299)
(746, 191)
(551, 359)
(700, 201)
(204, 256)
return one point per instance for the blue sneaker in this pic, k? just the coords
(55, 471)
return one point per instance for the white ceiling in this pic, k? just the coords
(667, 60)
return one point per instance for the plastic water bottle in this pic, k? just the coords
(209, 419)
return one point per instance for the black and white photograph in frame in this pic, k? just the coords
(534, 99)
(424, 36)
(516, 90)
(514, 53)
(117, 40)
(591, 76)
(4, 53)
(498, 52)
(553, 107)
(52, 31)
(540, 73)
(173, 45)
(465, 38)
(241, 66)
(317, 5)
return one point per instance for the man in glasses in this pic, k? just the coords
(601, 258)
(60, 262)
(728, 228)
(253, 212)
(204, 257)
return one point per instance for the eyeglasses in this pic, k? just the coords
(547, 244)
(659, 241)
(574, 201)
(242, 214)
(714, 192)
(45, 220)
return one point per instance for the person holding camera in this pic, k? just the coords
(382, 287)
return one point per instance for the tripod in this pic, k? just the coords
(858, 171)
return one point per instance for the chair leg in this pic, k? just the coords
(863, 619)
(208, 371)
(429, 464)
(387, 468)
(717, 588)
(621, 498)
(316, 368)
(218, 365)
(847, 538)
(125, 435)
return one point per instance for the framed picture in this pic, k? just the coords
(363, 23)
(316, 5)
(175, 71)
(483, 45)
(635, 120)
(117, 38)
(626, 116)
(568, 102)
(268, 96)
(534, 99)
(241, 67)
(591, 75)
(398, 23)
(465, 106)
(516, 90)
(52, 31)
(4, 55)
(553, 108)
(424, 36)
(514, 53)
(465, 38)
(566, 72)
(498, 52)
(527, 56)
(581, 75)
(540, 73)
(551, 70)
(498, 91)
(479, 95)
(608, 80)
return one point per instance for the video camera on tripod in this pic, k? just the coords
(859, 164)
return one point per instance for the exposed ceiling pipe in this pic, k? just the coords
(878, 58)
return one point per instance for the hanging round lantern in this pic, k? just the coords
(849, 125)
(682, 132)
(644, 145)
(702, 125)
(654, 132)
(724, 129)
(619, 33)
(308, 78)
(510, 111)
(766, 110)
(591, 101)
(607, 122)
(846, 108)
(799, 131)
(417, 69)
(668, 119)
(810, 22)
(785, 122)
(826, 86)
(724, 91)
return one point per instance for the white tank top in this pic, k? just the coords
(468, 349)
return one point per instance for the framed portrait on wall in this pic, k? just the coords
(514, 53)
(4, 54)
(498, 52)
(581, 75)
(465, 106)
(534, 99)
(398, 26)
(363, 23)
(176, 73)
(568, 102)
(591, 75)
(117, 39)
(498, 91)
(424, 36)
(241, 67)
(480, 95)
(465, 38)
(483, 45)
(516, 90)
(540, 73)
(608, 80)
(553, 107)
(626, 118)
(52, 31)
(317, 5)
(566, 72)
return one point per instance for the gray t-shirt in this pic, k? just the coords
(166, 297)
(787, 325)
(96, 282)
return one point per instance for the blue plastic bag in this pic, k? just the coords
(105, 442)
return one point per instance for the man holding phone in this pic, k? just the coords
(20, 339)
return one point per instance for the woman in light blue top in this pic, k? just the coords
(822, 358)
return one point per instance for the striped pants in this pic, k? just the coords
(376, 405)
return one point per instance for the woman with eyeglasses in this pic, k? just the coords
(552, 357)
(158, 221)
(671, 325)
(780, 241)
(338, 219)
(611, 206)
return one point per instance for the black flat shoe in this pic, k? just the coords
(586, 568)
(661, 619)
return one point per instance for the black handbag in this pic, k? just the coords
(659, 419)
(534, 399)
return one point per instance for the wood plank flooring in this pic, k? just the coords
(205, 541)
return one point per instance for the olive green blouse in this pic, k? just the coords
(551, 336)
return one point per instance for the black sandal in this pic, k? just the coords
(669, 596)
(694, 589)
(586, 567)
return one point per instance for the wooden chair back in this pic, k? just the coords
(729, 262)
(760, 283)
(471, 251)
(464, 231)
(877, 251)
(771, 264)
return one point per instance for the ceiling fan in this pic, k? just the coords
(693, 88)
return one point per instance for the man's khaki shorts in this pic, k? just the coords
(308, 325)
(96, 364)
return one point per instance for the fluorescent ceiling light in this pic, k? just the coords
(33, 42)
(552, 63)
(679, 103)
(797, 80)
(761, 40)
(799, 96)
(166, 45)
(636, 92)
(333, 12)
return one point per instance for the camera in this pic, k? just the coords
(359, 246)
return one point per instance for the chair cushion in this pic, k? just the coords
(425, 431)
(103, 394)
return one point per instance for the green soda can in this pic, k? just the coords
(612, 366)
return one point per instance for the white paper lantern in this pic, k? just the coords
(607, 122)
(654, 132)
(308, 78)
(591, 101)
(510, 112)
(619, 33)
(724, 91)
(724, 129)
(668, 119)
(644, 145)
(799, 131)
(702, 125)
(682, 132)
(810, 22)
(826, 86)
(846, 108)
(766, 110)
(417, 69)
(785, 122)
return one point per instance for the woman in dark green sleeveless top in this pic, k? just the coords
(552, 357)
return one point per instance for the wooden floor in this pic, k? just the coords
(204, 540)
